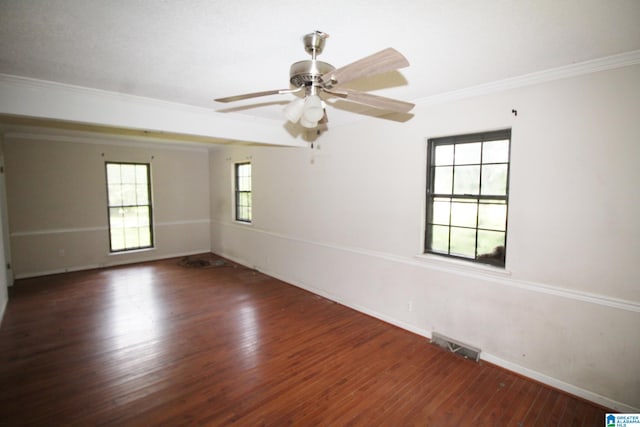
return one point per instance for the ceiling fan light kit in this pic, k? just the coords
(293, 111)
(316, 77)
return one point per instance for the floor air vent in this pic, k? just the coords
(469, 352)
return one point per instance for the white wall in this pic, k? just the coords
(56, 194)
(345, 220)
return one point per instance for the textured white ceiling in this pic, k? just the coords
(191, 51)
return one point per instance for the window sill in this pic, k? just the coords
(133, 251)
(460, 265)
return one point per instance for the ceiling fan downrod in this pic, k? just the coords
(309, 72)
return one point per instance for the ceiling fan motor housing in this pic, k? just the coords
(316, 77)
(309, 72)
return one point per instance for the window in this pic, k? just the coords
(129, 200)
(467, 196)
(243, 191)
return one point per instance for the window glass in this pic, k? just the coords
(467, 196)
(443, 180)
(494, 179)
(243, 194)
(129, 206)
(466, 154)
(466, 180)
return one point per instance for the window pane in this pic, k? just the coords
(492, 216)
(491, 246)
(440, 239)
(243, 191)
(145, 237)
(242, 169)
(129, 206)
(463, 242)
(128, 194)
(117, 239)
(131, 237)
(243, 213)
(466, 154)
(468, 190)
(243, 177)
(441, 211)
(113, 173)
(464, 213)
(141, 174)
(466, 180)
(495, 152)
(244, 199)
(244, 183)
(143, 216)
(130, 217)
(443, 177)
(443, 155)
(128, 173)
(142, 194)
(116, 219)
(494, 180)
(115, 194)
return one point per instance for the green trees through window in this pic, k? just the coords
(129, 201)
(467, 196)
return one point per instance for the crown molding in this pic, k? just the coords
(198, 116)
(23, 97)
(573, 70)
(32, 83)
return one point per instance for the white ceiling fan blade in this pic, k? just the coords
(376, 101)
(256, 95)
(381, 62)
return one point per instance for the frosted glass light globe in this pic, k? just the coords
(308, 123)
(313, 111)
(293, 111)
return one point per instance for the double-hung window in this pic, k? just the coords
(242, 178)
(468, 196)
(129, 201)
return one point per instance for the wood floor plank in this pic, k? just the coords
(158, 343)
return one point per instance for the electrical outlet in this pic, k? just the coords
(61, 252)
(410, 306)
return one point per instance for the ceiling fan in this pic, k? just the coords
(315, 78)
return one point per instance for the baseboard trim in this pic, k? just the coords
(560, 385)
(70, 269)
(2, 310)
(490, 358)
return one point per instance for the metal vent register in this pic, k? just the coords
(454, 346)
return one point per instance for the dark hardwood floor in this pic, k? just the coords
(160, 343)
